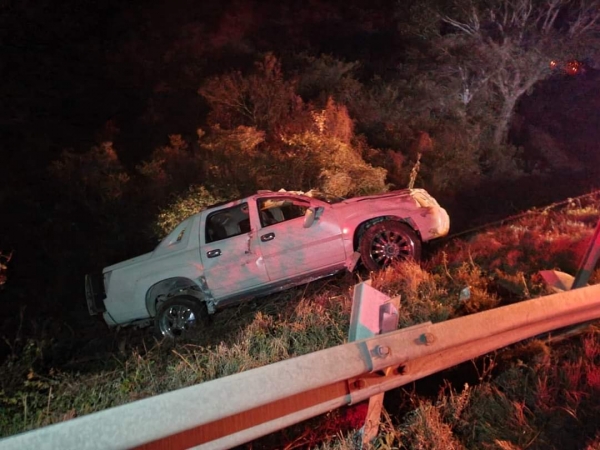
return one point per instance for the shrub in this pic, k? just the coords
(339, 168)
(196, 199)
(96, 177)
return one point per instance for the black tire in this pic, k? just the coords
(179, 316)
(386, 242)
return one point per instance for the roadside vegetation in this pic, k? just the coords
(537, 394)
(117, 136)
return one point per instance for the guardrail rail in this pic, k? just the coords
(239, 408)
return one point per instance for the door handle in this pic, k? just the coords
(213, 253)
(267, 237)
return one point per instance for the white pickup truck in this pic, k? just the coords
(259, 245)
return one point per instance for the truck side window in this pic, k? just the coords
(276, 210)
(227, 223)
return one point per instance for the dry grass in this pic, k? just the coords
(282, 326)
(544, 396)
(552, 402)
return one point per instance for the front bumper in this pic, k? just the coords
(94, 294)
(439, 223)
(444, 222)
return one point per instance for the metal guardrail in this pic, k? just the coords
(239, 408)
(589, 261)
(373, 313)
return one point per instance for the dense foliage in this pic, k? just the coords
(119, 119)
(116, 111)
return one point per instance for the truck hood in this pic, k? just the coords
(399, 193)
(128, 263)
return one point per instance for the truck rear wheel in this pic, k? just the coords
(180, 316)
(388, 241)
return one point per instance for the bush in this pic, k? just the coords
(196, 199)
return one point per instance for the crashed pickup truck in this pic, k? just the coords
(258, 245)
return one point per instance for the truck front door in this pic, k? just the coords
(231, 256)
(289, 249)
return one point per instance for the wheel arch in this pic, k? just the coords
(364, 226)
(165, 289)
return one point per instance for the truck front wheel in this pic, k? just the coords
(179, 316)
(388, 241)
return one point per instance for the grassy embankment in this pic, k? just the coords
(534, 395)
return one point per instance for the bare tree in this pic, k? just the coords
(499, 49)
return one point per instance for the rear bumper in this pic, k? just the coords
(94, 294)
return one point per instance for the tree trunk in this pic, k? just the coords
(506, 113)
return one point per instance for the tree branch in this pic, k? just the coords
(471, 27)
(586, 19)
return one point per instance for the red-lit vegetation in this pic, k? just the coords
(120, 120)
(525, 394)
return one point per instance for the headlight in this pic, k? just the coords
(424, 200)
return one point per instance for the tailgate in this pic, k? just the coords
(94, 294)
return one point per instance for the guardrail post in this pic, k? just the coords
(588, 264)
(373, 313)
(559, 281)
